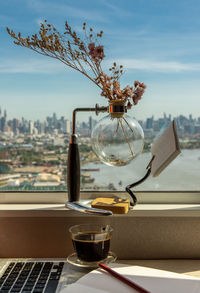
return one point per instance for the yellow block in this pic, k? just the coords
(114, 204)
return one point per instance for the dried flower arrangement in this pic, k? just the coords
(84, 56)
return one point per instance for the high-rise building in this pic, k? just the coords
(161, 122)
(92, 123)
(3, 124)
(66, 126)
(54, 119)
(149, 123)
(31, 127)
(15, 125)
(43, 127)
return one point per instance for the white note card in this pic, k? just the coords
(165, 149)
(156, 281)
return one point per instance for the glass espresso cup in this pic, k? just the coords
(91, 241)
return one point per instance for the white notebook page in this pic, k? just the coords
(156, 281)
(165, 149)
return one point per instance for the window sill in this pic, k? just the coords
(59, 198)
(59, 210)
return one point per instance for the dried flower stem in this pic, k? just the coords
(81, 56)
(117, 125)
(128, 124)
(125, 135)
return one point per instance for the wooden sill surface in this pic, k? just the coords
(59, 210)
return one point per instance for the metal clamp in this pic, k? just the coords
(77, 206)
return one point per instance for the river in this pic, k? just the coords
(182, 174)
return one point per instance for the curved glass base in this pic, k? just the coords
(73, 259)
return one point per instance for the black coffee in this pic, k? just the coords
(89, 248)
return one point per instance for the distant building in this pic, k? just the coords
(91, 123)
(5, 114)
(197, 129)
(46, 179)
(31, 127)
(15, 125)
(54, 120)
(13, 182)
(66, 126)
(148, 133)
(156, 127)
(3, 124)
(58, 141)
(149, 123)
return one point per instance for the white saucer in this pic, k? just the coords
(73, 259)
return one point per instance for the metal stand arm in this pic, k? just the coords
(128, 187)
(73, 170)
(134, 198)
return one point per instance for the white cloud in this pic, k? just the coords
(116, 10)
(31, 66)
(65, 9)
(158, 66)
(50, 66)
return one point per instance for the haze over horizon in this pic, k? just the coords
(84, 116)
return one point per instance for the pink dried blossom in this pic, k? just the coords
(136, 83)
(128, 91)
(138, 92)
(105, 80)
(91, 47)
(97, 53)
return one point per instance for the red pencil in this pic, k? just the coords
(123, 279)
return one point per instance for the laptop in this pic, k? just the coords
(36, 276)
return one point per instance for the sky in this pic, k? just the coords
(157, 42)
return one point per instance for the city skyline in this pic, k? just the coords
(88, 115)
(157, 43)
(187, 127)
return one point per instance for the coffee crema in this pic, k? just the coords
(91, 246)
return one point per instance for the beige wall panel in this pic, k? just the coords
(133, 237)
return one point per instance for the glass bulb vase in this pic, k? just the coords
(117, 139)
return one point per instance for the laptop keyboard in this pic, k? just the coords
(28, 277)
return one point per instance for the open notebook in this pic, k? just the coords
(165, 149)
(156, 281)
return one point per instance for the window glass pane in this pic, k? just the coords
(156, 42)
